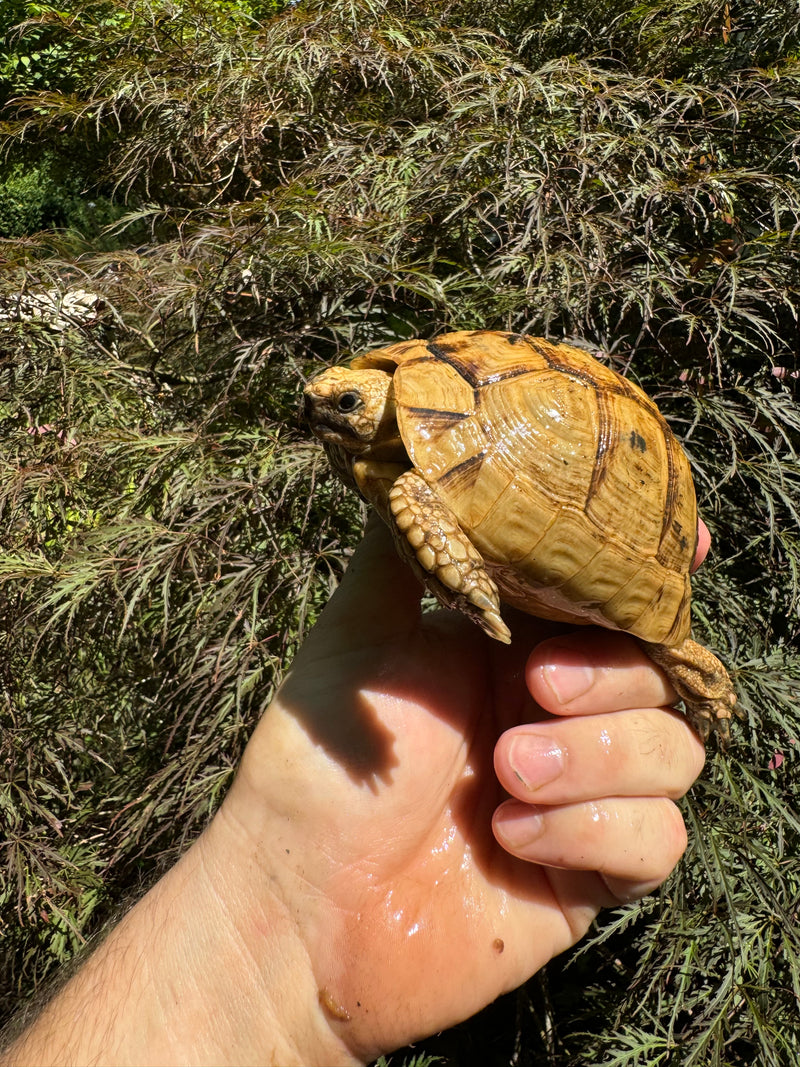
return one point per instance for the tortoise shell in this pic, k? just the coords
(564, 475)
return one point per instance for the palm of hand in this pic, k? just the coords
(379, 808)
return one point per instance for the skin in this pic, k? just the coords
(419, 802)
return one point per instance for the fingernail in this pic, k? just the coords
(535, 760)
(520, 829)
(568, 682)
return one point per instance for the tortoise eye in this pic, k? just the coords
(348, 402)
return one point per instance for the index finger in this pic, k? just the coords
(590, 671)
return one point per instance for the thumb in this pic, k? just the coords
(378, 597)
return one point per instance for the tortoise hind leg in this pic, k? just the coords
(701, 682)
(430, 539)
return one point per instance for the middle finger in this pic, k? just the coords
(640, 752)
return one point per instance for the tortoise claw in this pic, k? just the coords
(431, 539)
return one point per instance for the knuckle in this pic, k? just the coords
(675, 837)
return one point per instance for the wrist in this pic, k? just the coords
(261, 914)
(200, 971)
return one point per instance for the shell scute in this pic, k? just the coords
(603, 576)
(565, 549)
(630, 464)
(527, 512)
(480, 358)
(545, 417)
(658, 618)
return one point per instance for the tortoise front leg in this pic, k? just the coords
(429, 537)
(701, 682)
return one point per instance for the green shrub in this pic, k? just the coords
(335, 176)
(23, 201)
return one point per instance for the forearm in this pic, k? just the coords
(179, 981)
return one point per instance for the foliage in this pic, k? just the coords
(56, 48)
(304, 182)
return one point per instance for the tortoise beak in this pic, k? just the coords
(310, 412)
(313, 414)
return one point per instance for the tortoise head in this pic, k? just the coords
(351, 408)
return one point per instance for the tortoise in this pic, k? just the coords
(511, 468)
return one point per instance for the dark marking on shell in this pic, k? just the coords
(464, 473)
(605, 447)
(438, 415)
(438, 351)
(619, 387)
(467, 369)
(637, 441)
(545, 353)
(680, 536)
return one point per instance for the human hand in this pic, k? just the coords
(420, 883)
(370, 877)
